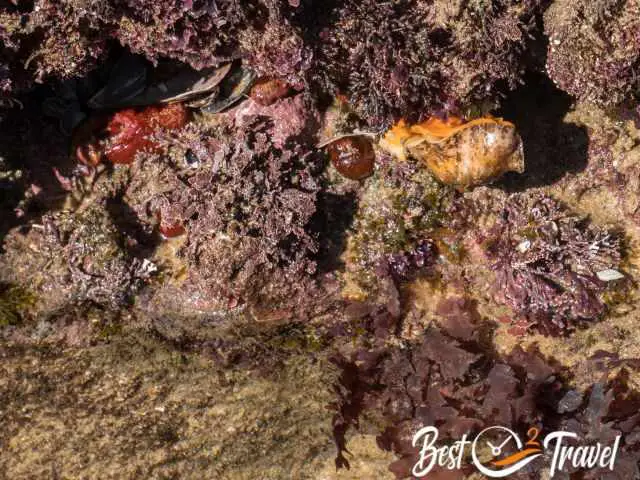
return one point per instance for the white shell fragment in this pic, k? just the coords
(523, 246)
(609, 275)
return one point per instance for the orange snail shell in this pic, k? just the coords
(458, 153)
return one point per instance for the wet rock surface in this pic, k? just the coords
(135, 408)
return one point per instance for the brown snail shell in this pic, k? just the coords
(458, 153)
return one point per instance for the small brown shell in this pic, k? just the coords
(461, 154)
(267, 91)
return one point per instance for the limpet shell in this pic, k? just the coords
(609, 275)
(464, 154)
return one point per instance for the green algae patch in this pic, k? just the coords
(15, 303)
(401, 205)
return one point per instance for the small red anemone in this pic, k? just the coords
(117, 137)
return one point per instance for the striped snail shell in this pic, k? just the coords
(458, 153)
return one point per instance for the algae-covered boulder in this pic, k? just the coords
(594, 49)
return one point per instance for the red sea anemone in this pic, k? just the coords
(117, 137)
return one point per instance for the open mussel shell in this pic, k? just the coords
(188, 85)
(204, 100)
(127, 80)
(233, 88)
(129, 86)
